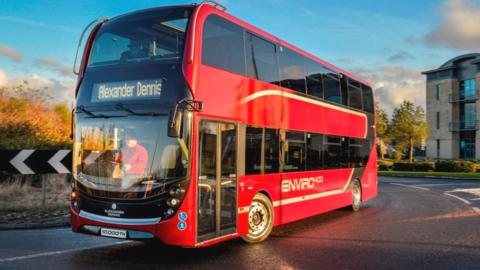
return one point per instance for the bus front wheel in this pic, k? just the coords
(356, 196)
(260, 219)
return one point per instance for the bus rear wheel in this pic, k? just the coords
(260, 219)
(356, 196)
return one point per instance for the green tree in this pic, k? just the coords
(408, 127)
(381, 122)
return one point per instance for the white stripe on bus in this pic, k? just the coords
(303, 198)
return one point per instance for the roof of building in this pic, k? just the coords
(452, 63)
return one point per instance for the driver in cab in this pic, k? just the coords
(134, 157)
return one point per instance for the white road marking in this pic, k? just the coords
(409, 186)
(473, 191)
(449, 184)
(459, 198)
(11, 259)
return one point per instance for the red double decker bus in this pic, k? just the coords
(194, 127)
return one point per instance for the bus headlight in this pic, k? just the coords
(173, 202)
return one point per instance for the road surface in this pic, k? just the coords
(412, 224)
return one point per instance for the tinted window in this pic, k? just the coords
(367, 99)
(314, 151)
(253, 150)
(223, 45)
(294, 152)
(292, 71)
(332, 88)
(355, 152)
(262, 61)
(314, 78)
(334, 155)
(146, 37)
(355, 97)
(272, 149)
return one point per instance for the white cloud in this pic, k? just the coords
(459, 28)
(10, 53)
(56, 91)
(394, 84)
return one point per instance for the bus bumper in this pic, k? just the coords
(177, 230)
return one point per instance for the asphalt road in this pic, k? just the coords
(412, 224)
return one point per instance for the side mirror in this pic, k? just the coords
(175, 123)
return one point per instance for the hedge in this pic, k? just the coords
(423, 166)
(455, 166)
(385, 165)
(403, 166)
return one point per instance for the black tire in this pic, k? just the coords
(356, 196)
(260, 219)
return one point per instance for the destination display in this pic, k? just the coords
(127, 90)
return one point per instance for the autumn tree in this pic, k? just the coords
(28, 120)
(408, 127)
(382, 128)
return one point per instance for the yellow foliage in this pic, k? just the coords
(27, 122)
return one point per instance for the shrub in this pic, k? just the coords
(28, 121)
(424, 166)
(455, 166)
(403, 166)
(385, 165)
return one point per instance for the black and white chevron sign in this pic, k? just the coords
(35, 161)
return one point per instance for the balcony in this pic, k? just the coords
(463, 126)
(462, 97)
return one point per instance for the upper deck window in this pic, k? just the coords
(292, 70)
(331, 85)
(367, 99)
(223, 45)
(262, 61)
(354, 95)
(146, 36)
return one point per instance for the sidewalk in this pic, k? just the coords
(34, 219)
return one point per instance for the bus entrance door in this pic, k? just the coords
(217, 181)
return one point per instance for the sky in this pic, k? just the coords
(389, 43)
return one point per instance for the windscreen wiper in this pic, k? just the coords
(92, 115)
(122, 107)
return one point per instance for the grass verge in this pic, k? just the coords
(431, 174)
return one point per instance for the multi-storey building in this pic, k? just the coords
(452, 101)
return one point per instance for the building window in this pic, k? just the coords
(438, 91)
(467, 88)
(438, 148)
(438, 120)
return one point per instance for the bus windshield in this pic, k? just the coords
(143, 36)
(127, 157)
